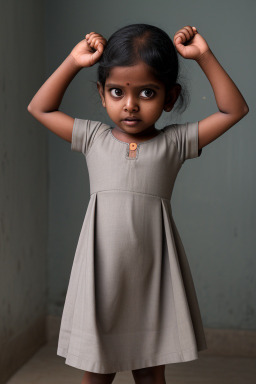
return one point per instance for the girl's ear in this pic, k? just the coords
(171, 97)
(101, 92)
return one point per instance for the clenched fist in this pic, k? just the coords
(189, 43)
(88, 51)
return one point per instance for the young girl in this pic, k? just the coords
(131, 303)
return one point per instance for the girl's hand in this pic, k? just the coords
(189, 43)
(88, 51)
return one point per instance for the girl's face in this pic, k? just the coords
(134, 98)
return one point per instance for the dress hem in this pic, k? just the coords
(97, 367)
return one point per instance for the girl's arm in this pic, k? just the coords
(44, 105)
(231, 104)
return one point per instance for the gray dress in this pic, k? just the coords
(131, 302)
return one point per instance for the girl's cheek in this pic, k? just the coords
(112, 108)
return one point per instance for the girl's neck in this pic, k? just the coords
(145, 135)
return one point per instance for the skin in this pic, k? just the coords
(190, 45)
(135, 99)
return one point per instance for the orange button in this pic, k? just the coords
(133, 146)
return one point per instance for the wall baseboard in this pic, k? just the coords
(230, 342)
(16, 351)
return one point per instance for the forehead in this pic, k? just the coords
(137, 74)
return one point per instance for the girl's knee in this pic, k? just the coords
(98, 378)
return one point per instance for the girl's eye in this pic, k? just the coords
(148, 93)
(115, 92)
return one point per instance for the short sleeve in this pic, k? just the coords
(84, 133)
(185, 137)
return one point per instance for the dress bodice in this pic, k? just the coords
(152, 171)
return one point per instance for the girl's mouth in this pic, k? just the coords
(131, 122)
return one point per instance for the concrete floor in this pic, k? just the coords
(45, 367)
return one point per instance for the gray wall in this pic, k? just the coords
(23, 187)
(213, 200)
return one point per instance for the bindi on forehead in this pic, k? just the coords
(127, 83)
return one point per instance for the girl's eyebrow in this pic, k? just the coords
(141, 86)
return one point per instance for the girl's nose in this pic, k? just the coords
(131, 105)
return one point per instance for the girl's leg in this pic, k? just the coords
(149, 375)
(98, 378)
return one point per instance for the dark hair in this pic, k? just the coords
(136, 42)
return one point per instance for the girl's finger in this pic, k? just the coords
(97, 45)
(96, 55)
(89, 41)
(179, 46)
(190, 30)
(180, 38)
(183, 33)
(89, 35)
(95, 40)
(92, 35)
(94, 43)
(186, 33)
(101, 41)
(100, 47)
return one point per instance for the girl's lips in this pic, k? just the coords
(131, 122)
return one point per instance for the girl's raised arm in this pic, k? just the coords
(231, 104)
(44, 105)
